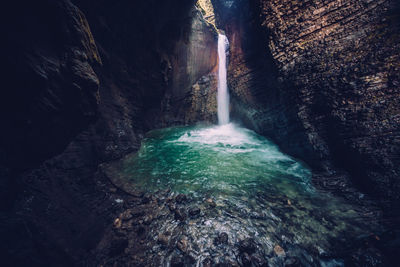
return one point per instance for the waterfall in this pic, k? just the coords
(223, 96)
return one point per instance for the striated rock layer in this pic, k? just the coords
(322, 79)
(343, 58)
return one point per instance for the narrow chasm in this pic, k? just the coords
(200, 133)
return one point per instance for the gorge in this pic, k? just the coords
(111, 155)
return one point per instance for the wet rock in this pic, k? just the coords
(117, 223)
(248, 245)
(177, 261)
(279, 251)
(258, 260)
(180, 214)
(163, 239)
(194, 211)
(126, 215)
(292, 262)
(171, 206)
(190, 259)
(210, 202)
(245, 259)
(182, 244)
(207, 262)
(146, 199)
(222, 238)
(148, 219)
(181, 198)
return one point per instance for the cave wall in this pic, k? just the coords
(79, 95)
(49, 91)
(327, 69)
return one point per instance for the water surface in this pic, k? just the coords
(259, 192)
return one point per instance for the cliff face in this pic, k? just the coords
(89, 93)
(50, 91)
(343, 59)
(325, 69)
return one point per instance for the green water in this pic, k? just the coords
(219, 160)
(259, 191)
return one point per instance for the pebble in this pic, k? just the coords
(245, 258)
(182, 244)
(163, 239)
(117, 223)
(194, 211)
(222, 238)
(211, 202)
(279, 251)
(181, 198)
(180, 214)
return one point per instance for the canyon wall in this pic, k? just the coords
(87, 94)
(321, 79)
(343, 59)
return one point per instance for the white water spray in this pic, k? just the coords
(223, 96)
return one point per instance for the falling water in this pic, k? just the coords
(223, 96)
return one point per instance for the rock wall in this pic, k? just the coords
(343, 59)
(88, 96)
(50, 91)
(327, 69)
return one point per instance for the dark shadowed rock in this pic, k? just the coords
(180, 214)
(194, 211)
(181, 198)
(247, 245)
(222, 238)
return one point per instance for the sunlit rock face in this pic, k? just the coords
(330, 71)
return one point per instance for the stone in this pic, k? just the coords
(207, 262)
(279, 251)
(210, 202)
(181, 198)
(163, 239)
(180, 214)
(117, 223)
(182, 244)
(177, 261)
(247, 245)
(222, 238)
(194, 211)
(292, 262)
(245, 259)
(258, 261)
